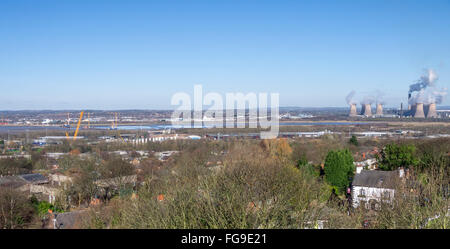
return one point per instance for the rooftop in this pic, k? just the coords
(11, 181)
(376, 179)
(34, 178)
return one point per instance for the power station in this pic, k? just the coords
(420, 110)
(353, 112)
(366, 110)
(423, 96)
(379, 111)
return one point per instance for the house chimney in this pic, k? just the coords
(432, 111)
(352, 110)
(379, 109)
(401, 172)
(419, 111)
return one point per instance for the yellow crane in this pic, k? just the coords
(88, 126)
(114, 122)
(115, 125)
(78, 127)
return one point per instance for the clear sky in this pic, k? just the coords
(136, 54)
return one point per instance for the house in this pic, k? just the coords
(13, 182)
(58, 179)
(45, 192)
(116, 181)
(164, 155)
(34, 178)
(38, 185)
(33, 184)
(68, 220)
(56, 155)
(372, 187)
(368, 164)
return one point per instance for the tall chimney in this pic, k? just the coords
(367, 110)
(401, 109)
(419, 111)
(409, 105)
(432, 111)
(352, 110)
(379, 109)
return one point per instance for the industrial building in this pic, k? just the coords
(421, 110)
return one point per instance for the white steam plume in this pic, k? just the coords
(424, 91)
(349, 98)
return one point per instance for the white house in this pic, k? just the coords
(369, 164)
(372, 187)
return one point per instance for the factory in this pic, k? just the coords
(420, 110)
(423, 96)
(366, 110)
(366, 106)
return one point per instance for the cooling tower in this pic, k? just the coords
(419, 111)
(352, 110)
(432, 111)
(379, 109)
(366, 110)
(426, 108)
(413, 110)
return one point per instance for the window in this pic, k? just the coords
(386, 195)
(363, 204)
(373, 204)
(362, 192)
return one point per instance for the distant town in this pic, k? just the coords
(229, 124)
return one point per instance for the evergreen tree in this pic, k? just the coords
(394, 156)
(353, 140)
(339, 169)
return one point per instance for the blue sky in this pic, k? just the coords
(136, 54)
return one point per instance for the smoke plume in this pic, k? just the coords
(349, 98)
(379, 97)
(424, 90)
(369, 99)
(425, 81)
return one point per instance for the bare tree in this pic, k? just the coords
(15, 209)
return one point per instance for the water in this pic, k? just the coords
(15, 129)
(323, 123)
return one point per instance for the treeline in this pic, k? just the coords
(281, 183)
(268, 184)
